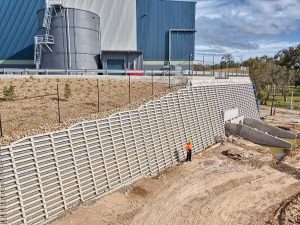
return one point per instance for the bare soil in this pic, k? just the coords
(31, 116)
(212, 189)
(234, 183)
(289, 212)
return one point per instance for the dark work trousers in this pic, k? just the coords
(188, 155)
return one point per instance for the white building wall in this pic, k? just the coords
(118, 21)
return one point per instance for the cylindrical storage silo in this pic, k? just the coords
(76, 39)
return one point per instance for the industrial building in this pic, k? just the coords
(96, 34)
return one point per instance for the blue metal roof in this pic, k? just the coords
(18, 25)
(154, 20)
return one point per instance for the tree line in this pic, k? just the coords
(280, 71)
(267, 73)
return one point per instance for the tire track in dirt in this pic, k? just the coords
(284, 168)
(242, 197)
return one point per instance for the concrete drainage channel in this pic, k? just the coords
(279, 140)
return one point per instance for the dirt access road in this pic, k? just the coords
(212, 189)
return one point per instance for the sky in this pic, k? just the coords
(246, 28)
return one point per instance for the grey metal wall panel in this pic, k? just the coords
(118, 27)
(43, 176)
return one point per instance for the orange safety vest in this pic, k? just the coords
(188, 147)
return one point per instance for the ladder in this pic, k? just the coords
(45, 39)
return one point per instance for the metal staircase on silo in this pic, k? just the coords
(46, 39)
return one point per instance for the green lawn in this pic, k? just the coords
(279, 101)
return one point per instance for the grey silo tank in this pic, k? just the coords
(77, 40)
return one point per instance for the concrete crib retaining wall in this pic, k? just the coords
(43, 176)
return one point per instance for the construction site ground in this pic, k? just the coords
(232, 183)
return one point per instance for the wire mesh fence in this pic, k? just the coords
(215, 66)
(36, 105)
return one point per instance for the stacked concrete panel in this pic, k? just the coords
(45, 175)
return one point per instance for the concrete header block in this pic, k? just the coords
(231, 114)
(238, 120)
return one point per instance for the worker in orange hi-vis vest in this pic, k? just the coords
(188, 149)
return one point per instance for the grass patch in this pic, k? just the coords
(279, 99)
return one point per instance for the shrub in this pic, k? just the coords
(67, 91)
(9, 92)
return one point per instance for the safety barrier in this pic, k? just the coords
(217, 75)
(43, 176)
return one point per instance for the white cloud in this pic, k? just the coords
(248, 27)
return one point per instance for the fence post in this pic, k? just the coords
(169, 75)
(98, 95)
(190, 65)
(58, 104)
(221, 69)
(214, 66)
(152, 84)
(228, 68)
(129, 86)
(203, 67)
(1, 130)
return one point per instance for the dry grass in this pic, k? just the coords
(32, 116)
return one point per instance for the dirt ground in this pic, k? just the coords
(235, 183)
(289, 120)
(29, 116)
